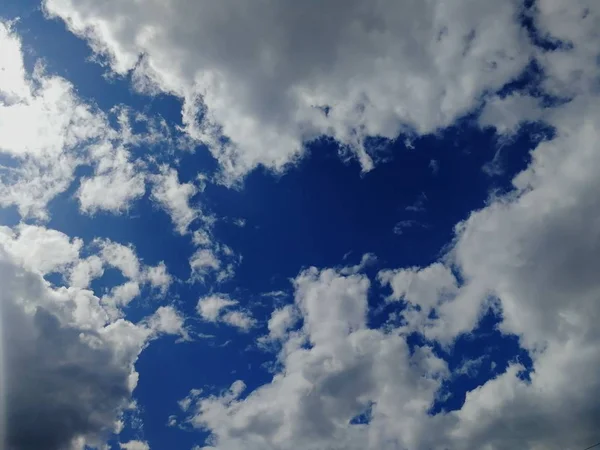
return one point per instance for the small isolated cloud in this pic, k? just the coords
(116, 184)
(123, 258)
(470, 367)
(238, 319)
(135, 445)
(368, 259)
(434, 165)
(202, 262)
(419, 204)
(210, 307)
(174, 197)
(167, 320)
(211, 259)
(404, 225)
(218, 308)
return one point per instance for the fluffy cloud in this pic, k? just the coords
(40, 249)
(217, 308)
(42, 124)
(115, 185)
(47, 251)
(123, 258)
(255, 92)
(47, 131)
(532, 254)
(174, 197)
(135, 445)
(261, 84)
(210, 307)
(66, 359)
(333, 369)
(168, 320)
(424, 288)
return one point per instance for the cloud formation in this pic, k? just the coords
(68, 366)
(261, 85)
(255, 92)
(47, 132)
(219, 308)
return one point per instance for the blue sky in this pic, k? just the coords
(222, 230)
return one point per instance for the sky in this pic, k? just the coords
(299, 225)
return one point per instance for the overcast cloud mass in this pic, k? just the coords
(180, 180)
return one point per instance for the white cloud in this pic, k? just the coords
(40, 249)
(174, 197)
(281, 321)
(134, 445)
(239, 319)
(210, 307)
(124, 258)
(86, 270)
(533, 253)
(159, 277)
(12, 71)
(120, 256)
(345, 369)
(425, 288)
(113, 187)
(211, 258)
(48, 132)
(42, 124)
(217, 308)
(254, 92)
(507, 114)
(367, 259)
(202, 262)
(123, 294)
(404, 225)
(469, 367)
(201, 238)
(63, 340)
(168, 320)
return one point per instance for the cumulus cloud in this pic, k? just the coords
(532, 254)
(42, 124)
(174, 197)
(47, 132)
(115, 185)
(168, 320)
(212, 258)
(65, 359)
(262, 84)
(39, 248)
(281, 321)
(210, 307)
(424, 288)
(259, 88)
(135, 445)
(333, 369)
(217, 308)
(123, 258)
